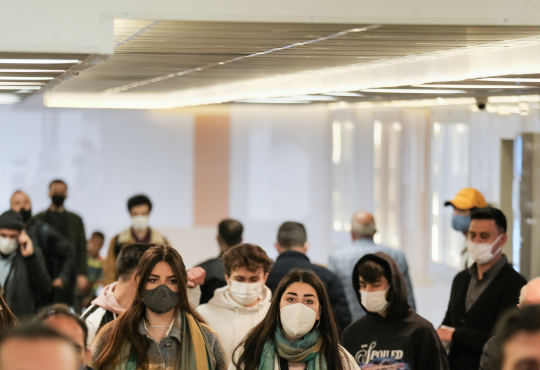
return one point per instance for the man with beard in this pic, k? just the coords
(58, 254)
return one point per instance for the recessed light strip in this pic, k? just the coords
(31, 70)
(504, 79)
(24, 78)
(193, 70)
(413, 91)
(39, 61)
(19, 87)
(476, 86)
(20, 83)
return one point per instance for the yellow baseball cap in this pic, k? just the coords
(468, 198)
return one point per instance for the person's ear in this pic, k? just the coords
(228, 279)
(265, 278)
(278, 248)
(306, 246)
(504, 239)
(319, 313)
(519, 306)
(88, 356)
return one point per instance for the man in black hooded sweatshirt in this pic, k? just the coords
(391, 336)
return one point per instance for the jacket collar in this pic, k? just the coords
(292, 255)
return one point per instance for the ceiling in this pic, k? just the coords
(164, 56)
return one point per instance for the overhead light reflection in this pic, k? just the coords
(413, 91)
(476, 86)
(39, 61)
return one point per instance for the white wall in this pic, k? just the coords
(105, 156)
(280, 171)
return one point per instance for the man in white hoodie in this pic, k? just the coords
(115, 298)
(240, 305)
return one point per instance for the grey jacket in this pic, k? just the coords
(487, 361)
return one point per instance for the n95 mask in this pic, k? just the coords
(297, 319)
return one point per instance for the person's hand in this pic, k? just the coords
(82, 283)
(27, 247)
(445, 333)
(195, 277)
(58, 283)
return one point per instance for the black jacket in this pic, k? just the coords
(27, 281)
(59, 256)
(289, 260)
(474, 328)
(401, 337)
(215, 278)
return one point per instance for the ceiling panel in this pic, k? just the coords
(147, 50)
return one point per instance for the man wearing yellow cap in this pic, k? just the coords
(466, 202)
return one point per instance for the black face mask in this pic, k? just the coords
(58, 200)
(161, 299)
(26, 214)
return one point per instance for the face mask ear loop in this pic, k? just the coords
(318, 323)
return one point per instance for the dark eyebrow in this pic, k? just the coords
(172, 276)
(309, 295)
(291, 293)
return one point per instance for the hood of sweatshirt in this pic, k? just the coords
(222, 298)
(397, 293)
(107, 300)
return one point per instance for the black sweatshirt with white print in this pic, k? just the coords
(402, 340)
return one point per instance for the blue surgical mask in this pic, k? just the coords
(461, 223)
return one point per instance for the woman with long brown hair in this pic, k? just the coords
(160, 329)
(7, 318)
(298, 332)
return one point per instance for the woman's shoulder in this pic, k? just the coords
(220, 355)
(348, 361)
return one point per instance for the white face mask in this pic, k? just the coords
(245, 293)
(297, 319)
(8, 246)
(139, 222)
(375, 301)
(481, 252)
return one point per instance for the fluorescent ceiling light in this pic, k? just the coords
(9, 98)
(310, 97)
(25, 78)
(32, 70)
(18, 83)
(342, 93)
(19, 87)
(503, 79)
(476, 86)
(273, 101)
(25, 91)
(413, 91)
(39, 61)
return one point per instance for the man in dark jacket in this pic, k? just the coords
(390, 333)
(70, 226)
(58, 254)
(229, 235)
(23, 275)
(292, 246)
(481, 293)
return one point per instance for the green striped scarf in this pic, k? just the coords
(303, 350)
